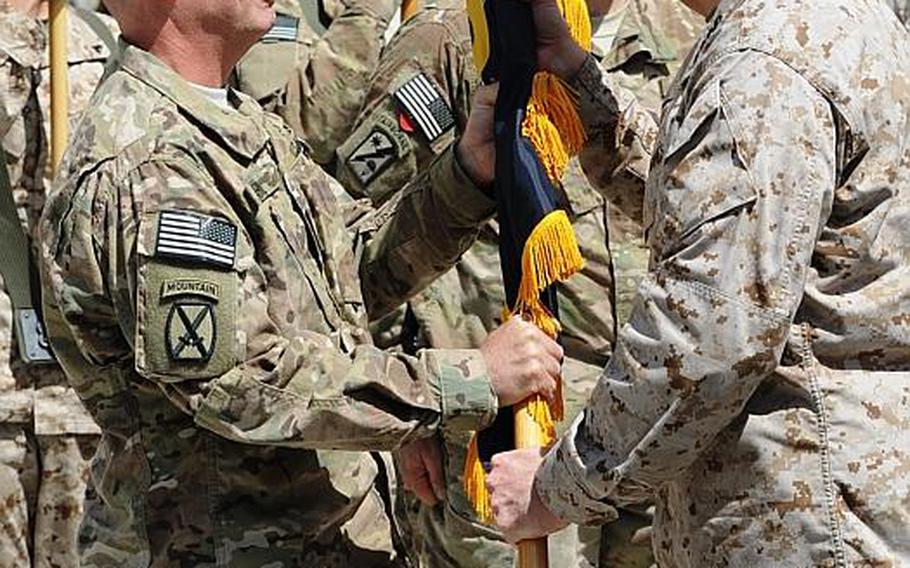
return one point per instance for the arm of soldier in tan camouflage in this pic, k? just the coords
(743, 182)
(622, 134)
(329, 85)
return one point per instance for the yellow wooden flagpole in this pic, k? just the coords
(528, 434)
(59, 80)
(409, 9)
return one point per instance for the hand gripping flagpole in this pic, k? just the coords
(59, 80)
(538, 130)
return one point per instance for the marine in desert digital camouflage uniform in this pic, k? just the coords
(209, 307)
(313, 68)
(390, 146)
(46, 436)
(760, 391)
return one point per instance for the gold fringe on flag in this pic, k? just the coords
(551, 253)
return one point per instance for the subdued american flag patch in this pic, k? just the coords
(184, 235)
(420, 99)
(284, 29)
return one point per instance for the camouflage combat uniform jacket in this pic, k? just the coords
(314, 67)
(761, 387)
(204, 299)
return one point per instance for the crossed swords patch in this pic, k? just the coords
(190, 335)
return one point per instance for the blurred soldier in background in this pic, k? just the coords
(641, 42)
(313, 67)
(901, 8)
(46, 436)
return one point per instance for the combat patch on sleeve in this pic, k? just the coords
(284, 29)
(374, 155)
(190, 331)
(425, 106)
(196, 238)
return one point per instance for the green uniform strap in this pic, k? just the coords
(312, 14)
(17, 270)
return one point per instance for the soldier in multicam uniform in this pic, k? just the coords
(46, 436)
(761, 388)
(391, 144)
(205, 299)
(313, 68)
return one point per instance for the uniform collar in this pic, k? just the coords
(239, 128)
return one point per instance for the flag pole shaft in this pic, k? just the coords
(408, 9)
(531, 553)
(59, 81)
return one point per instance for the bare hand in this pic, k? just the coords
(476, 149)
(519, 512)
(557, 51)
(420, 465)
(522, 361)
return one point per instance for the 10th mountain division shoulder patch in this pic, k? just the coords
(190, 331)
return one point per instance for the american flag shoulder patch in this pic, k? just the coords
(193, 237)
(284, 29)
(424, 105)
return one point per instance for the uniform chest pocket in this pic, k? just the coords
(699, 175)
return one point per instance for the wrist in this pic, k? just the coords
(570, 60)
(465, 158)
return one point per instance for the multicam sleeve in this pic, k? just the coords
(422, 234)
(203, 329)
(742, 192)
(622, 135)
(331, 81)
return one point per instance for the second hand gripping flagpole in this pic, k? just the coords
(538, 132)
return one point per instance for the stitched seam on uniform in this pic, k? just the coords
(139, 501)
(772, 315)
(214, 496)
(840, 555)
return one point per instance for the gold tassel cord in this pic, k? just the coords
(551, 253)
(551, 122)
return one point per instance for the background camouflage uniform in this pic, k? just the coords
(225, 382)
(460, 308)
(760, 389)
(901, 8)
(317, 82)
(46, 436)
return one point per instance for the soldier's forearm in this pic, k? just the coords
(621, 134)
(322, 398)
(436, 220)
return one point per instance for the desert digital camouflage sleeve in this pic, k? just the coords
(622, 134)
(739, 193)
